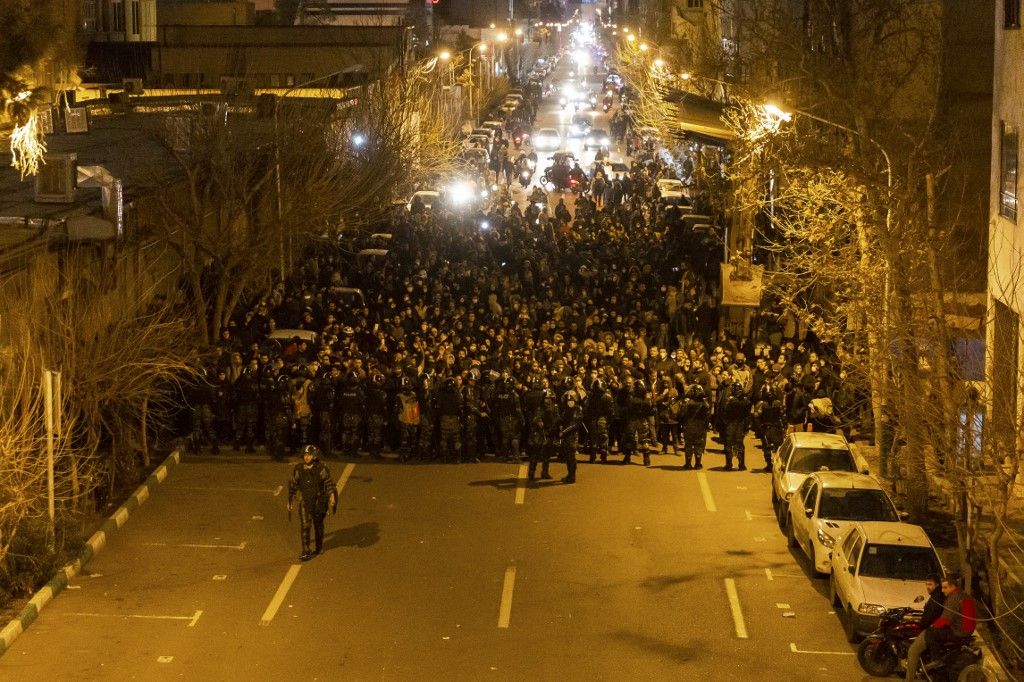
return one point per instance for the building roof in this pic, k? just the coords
(353, 12)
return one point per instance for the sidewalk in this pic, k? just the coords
(940, 529)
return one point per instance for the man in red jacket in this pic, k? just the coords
(957, 621)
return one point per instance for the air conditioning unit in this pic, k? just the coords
(232, 86)
(76, 120)
(132, 86)
(45, 115)
(57, 179)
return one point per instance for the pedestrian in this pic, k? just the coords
(311, 480)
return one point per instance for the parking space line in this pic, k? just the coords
(792, 647)
(768, 574)
(282, 592)
(521, 484)
(345, 475)
(192, 488)
(190, 545)
(705, 491)
(734, 606)
(192, 620)
(505, 609)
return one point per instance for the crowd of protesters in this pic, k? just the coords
(509, 333)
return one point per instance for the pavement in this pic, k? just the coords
(462, 572)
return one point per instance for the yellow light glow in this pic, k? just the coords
(776, 112)
(659, 62)
(519, 31)
(644, 47)
(445, 55)
(685, 75)
(483, 47)
(27, 147)
(502, 37)
(631, 38)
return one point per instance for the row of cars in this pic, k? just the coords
(837, 514)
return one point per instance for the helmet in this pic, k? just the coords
(311, 450)
(570, 398)
(695, 391)
(450, 383)
(405, 384)
(597, 386)
(378, 378)
(549, 394)
(638, 386)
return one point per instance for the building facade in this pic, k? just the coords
(1006, 236)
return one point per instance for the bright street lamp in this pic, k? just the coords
(631, 37)
(644, 47)
(445, 55)
(659, 62)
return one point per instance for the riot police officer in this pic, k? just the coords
(408, 408)
(773, 422)
(735, 419)
(509, 414)
(376, 410)
(428, 423)
(474, 412)
(638, 408)
(450, 410)
(245, 394)
(541, 415)
(350, 411)
(570, 419)
(598, 410)
(312, 481)
(324, 396)
(694, 419)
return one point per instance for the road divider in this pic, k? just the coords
(281, 593)
(505, 608)
(734, 606)
(705, 491)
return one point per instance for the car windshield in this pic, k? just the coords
(808, 460)
(898, 562)
(853, 504)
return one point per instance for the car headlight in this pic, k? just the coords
(826, 539)
(870, 609)
(604, 140)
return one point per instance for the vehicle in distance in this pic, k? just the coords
(597, 138)
(547, 138)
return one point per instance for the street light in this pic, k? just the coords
(631, 37)
(644, 47)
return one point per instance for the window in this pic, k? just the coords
(1011, 13)
(1008, 173)
(135, 16)
(117, 12)
(811, 497)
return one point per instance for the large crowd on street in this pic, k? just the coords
(510, 333)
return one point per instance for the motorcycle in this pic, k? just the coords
(525, 177)
(881, 651)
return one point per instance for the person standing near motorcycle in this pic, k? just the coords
(932, 611)
(956, 623)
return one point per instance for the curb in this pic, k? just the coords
(93, 546)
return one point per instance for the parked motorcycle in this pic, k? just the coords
(883, 650)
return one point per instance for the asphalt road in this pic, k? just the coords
(436, 572)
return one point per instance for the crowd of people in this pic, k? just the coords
(508, 332)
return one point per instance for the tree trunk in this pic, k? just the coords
(145, 434)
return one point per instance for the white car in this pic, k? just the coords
(428, 197)
(803, 453)
(671, 190)
(597, 139)
(879, 565)
(826, 505)
(547, 138)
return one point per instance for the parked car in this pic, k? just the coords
(547, 138)
(477, 140)
(428, 197)
(879, 565)
(826, 505)
(802, 453)
(672, 191)
(597, 138)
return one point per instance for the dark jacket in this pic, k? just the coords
(933, 607)
(314, 484)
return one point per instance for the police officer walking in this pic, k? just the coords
(735, 419)
(312, 481)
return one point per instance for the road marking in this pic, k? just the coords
(734, 606)
(505, 610)
(752, 516)
(760, 539)
(274, 492)
(190, 545)
(749, 517)
(787, 575)
(780, 605)
(192, 620)
(164, 659)
(282, 591)
(521, 484)
(220, 577)
(705, 491)
(345, 475)
(768, 574)
(792, 647)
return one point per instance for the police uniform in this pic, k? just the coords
(350, 411)
(694, 420)
(509, 414)
(376, 410)
(449, 410)
(312, 481)
(598, 412)
(570, 419)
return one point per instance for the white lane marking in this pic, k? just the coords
(345, 475)
(787, 575)
(270, 491)
(190, 545)
(505, 610)
(220, 577)
(521, 484)
(191, 619)
(749, 517)
(760, 539)
(282, 592)
(768, 574)
(780, 605)
(164, 659)
(161, 473)
(705, 491)
(734, 606)
(120, 516)
(792, 647)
